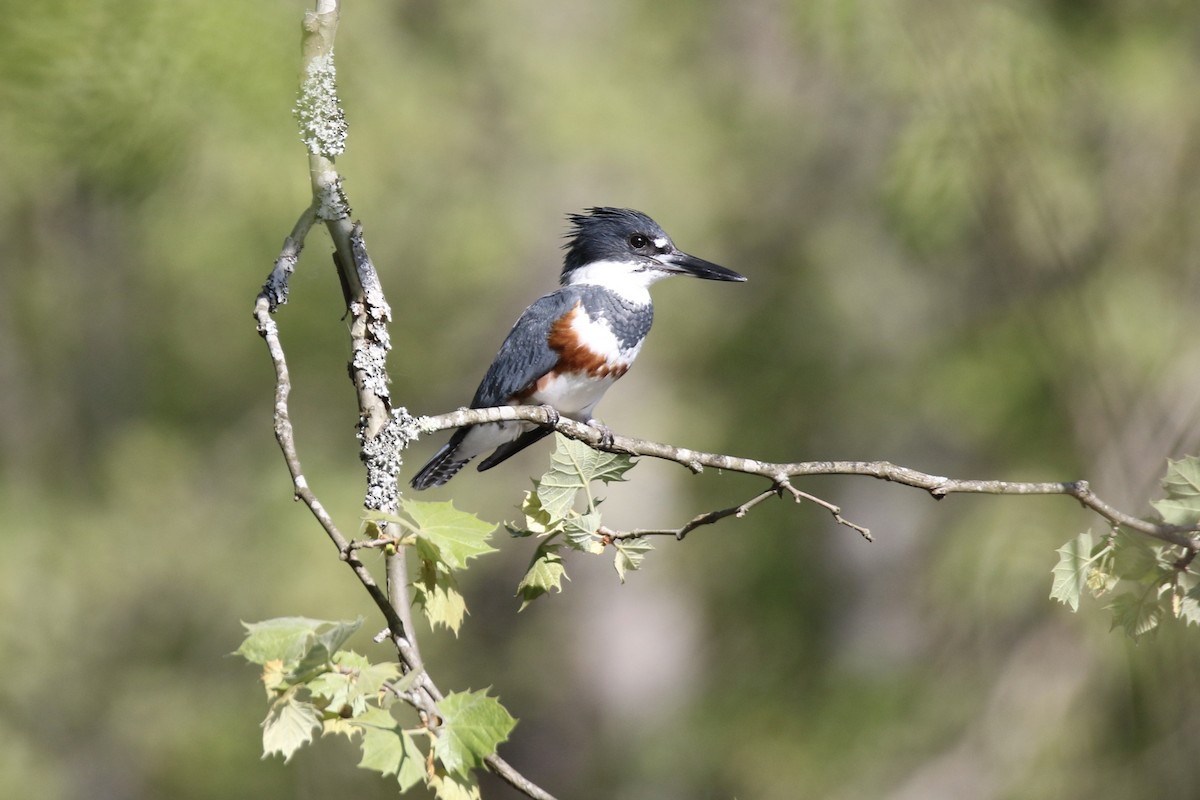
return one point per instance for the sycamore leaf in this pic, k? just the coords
(350, 660)
(353, 682)
(272, 677)
(545, 573)
(630, 553)
(1138, 613)
(436, 591)
(473, 724)
(1072, 570)
(337, 690)
(1176, 512)
(538, 521)
(1182, 483)
(1134, 558)
(333, 637)
(389, 749)
(412, 765)
(515, 532)
(1185, 598)
(454, 787)
(288, 639)
(1185, 606)
(581, 532)
(324, 645)
(573, 466)
(337, 726)
(556, 492)
(372, 679)
(595, 465)
(457, 535)
(289, 725)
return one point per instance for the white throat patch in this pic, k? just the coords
(627, 279)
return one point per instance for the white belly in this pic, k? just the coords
(573, 395)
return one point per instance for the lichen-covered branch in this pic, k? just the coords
(383, 431)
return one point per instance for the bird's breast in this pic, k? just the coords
(591, 357)
(591, 346)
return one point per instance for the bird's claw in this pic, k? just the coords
(606, 434)
(552, 415)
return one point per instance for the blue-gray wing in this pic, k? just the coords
(525, 355)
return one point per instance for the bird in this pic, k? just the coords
(572, 344)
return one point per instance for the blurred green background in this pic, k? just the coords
(971, 231)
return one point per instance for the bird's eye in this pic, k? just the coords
(637, 241)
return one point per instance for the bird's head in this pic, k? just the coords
(622, 247)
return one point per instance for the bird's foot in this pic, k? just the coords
(552, 415)
(606, 434)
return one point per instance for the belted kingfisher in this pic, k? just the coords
(572, 344)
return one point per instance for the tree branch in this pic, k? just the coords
(383, 431)
(779, 473)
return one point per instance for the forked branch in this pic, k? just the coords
(780, 473)
(383, 431)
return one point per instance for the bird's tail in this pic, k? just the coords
(444, 465)
(509, 449)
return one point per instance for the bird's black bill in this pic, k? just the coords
(698, 267)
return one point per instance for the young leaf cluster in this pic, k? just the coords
(1147, 581)
(443, 539)
(552, 514)
(314, 686)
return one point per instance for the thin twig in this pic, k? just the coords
(369, 544)
(287, 444)
(836, 511)
(701, 519)
(938, 486)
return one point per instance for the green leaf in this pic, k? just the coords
(338, 726)
(573, 466)
(389, 749)
(1185, 605)
(349, 660)
(455, 787)
(537, 519)
(352, 683)
(289, 725)
(1134, 559)
(1071, 571)
(337, 634)
(273, 677)
(630, 553)
(373, 678)
(457, 535)
(436, 592)
(323, 644)
(337, 690)
(580, 530)
(412, 763)
(286, 639)
(1138, 613)
(473, 724)
(1185, 597)
(545, 573)
(1182, 484)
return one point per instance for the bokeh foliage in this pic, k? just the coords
(970, 230)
